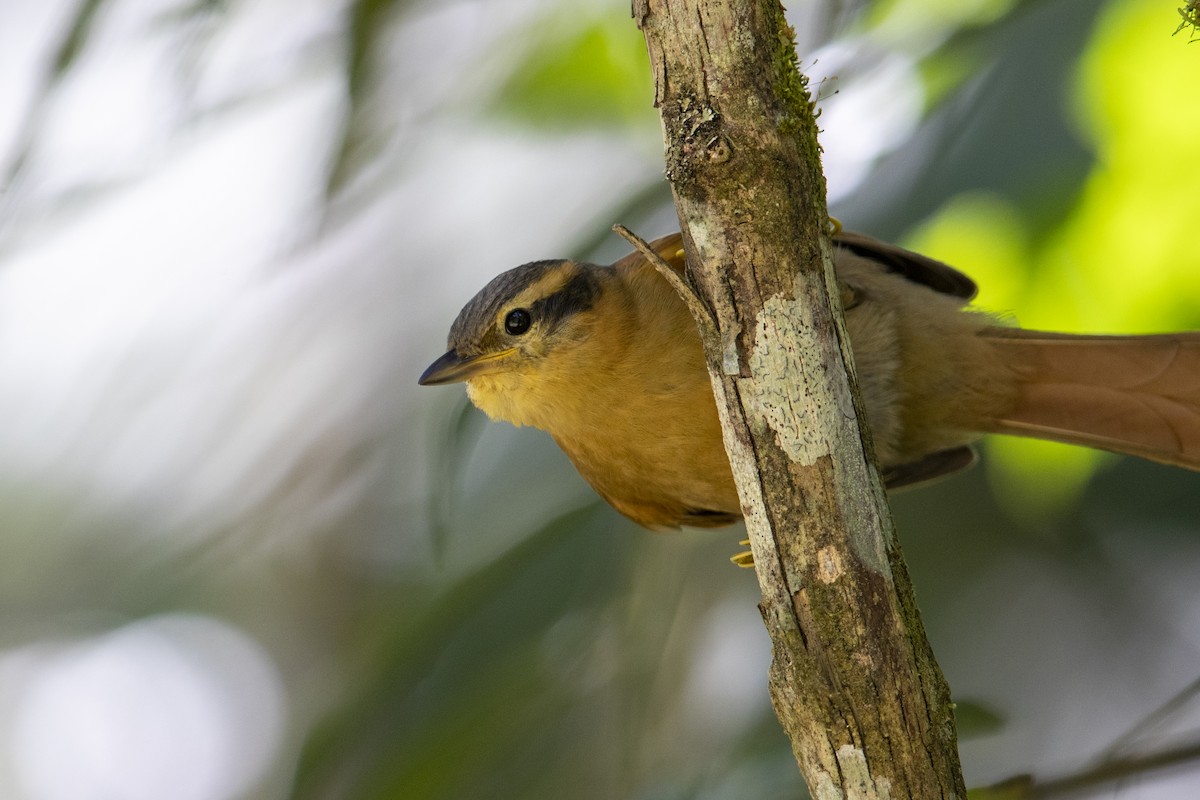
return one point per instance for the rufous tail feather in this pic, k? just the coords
(1131, 394)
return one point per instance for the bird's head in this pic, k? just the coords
(522, 330)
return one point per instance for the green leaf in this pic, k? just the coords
(597, 74)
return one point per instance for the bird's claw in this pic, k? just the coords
(744, 559)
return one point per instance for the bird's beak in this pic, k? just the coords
(454, 368)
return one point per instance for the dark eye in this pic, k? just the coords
(517, 321)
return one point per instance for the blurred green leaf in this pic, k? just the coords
(76, 37)
(1018, 788)
(455, 688)
(976, 719)
(595, 75)
(950, 14)
(368, 24)
(456, 441)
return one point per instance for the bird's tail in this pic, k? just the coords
(1138, 395)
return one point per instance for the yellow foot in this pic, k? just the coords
(745, 559)
(835, 226)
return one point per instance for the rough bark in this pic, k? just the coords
(853, 679)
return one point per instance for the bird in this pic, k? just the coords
(608, 360)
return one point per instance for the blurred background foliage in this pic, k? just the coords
(246, 557)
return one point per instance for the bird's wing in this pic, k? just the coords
(928, 468)
(914, 266)
(669, 247)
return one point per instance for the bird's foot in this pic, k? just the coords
(744, 559)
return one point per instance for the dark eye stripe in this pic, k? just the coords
(579, 294)
(483, 317)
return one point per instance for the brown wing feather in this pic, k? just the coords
(669, 247)
(930, 468)
(914, 266)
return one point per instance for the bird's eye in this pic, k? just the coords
(517, 321)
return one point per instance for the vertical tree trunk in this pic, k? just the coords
(853, 679)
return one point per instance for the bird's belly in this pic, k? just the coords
(671, 471)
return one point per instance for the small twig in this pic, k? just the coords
(1115, 770)
(680, 283)
(1191, 18)
(1153, 720)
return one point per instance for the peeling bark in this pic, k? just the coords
(853, 679)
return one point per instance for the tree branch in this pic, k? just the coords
(853, 679)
